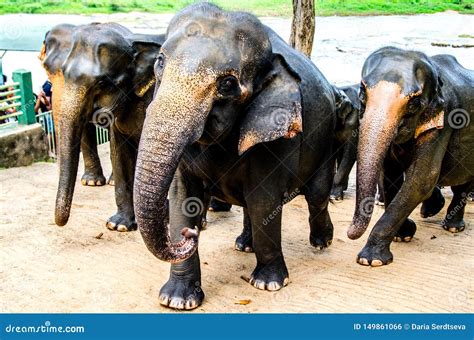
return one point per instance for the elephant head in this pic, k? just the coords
(220, 75)
(401, 98)
(105, 71)
(56, 46)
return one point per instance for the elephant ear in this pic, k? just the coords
(146, 51)
(344, 105)
(56, 47)
(433, 117)
(275, 110)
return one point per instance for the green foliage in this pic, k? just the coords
(259, 7)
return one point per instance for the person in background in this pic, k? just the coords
(43, 101)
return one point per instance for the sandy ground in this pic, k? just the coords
(45, 268)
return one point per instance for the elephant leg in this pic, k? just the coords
(124, 157)
(341, 179)
(111, 181)
(218, 206)
(379, 196)
(244, 241)
(454, 221)
(186, 208)
(317, 196)
(420, 179)
(392, 181)
(432, 205)
(265, 216)
(93, 175)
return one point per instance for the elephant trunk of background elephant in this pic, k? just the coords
(70, 131)
(378, 128)
(174, 120)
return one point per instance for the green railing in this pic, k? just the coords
(17, 95)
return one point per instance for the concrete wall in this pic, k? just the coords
(22, 146)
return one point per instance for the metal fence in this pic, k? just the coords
(46, 120)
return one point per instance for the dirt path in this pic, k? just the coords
(45, 268)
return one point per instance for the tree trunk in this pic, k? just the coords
(302, 26)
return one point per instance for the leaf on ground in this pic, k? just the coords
(242, 302)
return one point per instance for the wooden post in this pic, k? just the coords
(27, 99)
(302, 26)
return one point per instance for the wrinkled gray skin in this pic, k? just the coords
(108, 79)
(56, 47)
(244, 118)
(402, 91)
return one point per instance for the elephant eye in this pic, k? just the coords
(228, 85)
(160, 61)
(414, 105)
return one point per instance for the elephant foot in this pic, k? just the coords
(219, 206)
(92, 179)
(321, 239)
(121, 222)
(244, 242)
(406, 231)
(453, 226)
(337, 194)
(375, 256)
(181, 294)
(272, 276)
(111, 180)
(432, 205)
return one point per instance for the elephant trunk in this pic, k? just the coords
(378, 129)
(174, 119)
(70, 131)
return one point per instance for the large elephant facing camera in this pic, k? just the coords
(417, 125)
(107, 78)
(244, 118)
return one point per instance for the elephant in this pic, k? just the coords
(56, 47)
(107, 79)
(244, 118)
(415, 127)
(346, 138)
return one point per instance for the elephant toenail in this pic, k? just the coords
(285, 281)
(407, 239)
(122, 228)
(328, 243)
(273, 286)
(91, 182)
(363, 261)
(111, 225)
(248, 249)
(164, 300)
(397, 239)
(376, 263)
